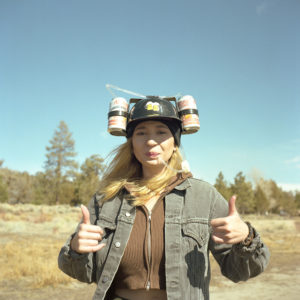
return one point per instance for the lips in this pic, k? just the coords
(152, 154)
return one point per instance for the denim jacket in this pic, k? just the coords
(189, 208)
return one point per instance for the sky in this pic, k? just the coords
(240, 60)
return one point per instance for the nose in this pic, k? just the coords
(151, 141)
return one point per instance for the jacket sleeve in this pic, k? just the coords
(238, 262)
(79, 266)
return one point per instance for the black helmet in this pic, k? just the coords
(154, 108)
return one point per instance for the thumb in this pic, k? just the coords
(85, 214)
(232, 209)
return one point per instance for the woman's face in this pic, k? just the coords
(152, 141)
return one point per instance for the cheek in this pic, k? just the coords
(136, 147)
(169, 149)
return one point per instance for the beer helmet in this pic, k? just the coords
(181, 118)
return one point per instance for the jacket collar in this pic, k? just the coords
(183, 185)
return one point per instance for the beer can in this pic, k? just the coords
(118, 103)
(117, 116)
(187, 110)
(186, 102)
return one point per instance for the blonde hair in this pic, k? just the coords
(125, 169)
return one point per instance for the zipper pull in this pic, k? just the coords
(148, 286)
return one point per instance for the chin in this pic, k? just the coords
(152, 162)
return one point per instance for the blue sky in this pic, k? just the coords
(240, 60)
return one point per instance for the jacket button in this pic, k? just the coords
(117, 244)
(127, 214)
(104, 279)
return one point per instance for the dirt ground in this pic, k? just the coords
(281, 279)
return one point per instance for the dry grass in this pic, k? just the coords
(279, 234)
(34, 258)
(39, 220)
(31, 237)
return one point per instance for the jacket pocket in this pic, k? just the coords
(107, 226)
(195, 237)
(196, 231)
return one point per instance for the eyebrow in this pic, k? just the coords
(157, 126)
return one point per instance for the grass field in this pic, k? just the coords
(31, 237)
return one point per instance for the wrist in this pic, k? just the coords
(247, 241)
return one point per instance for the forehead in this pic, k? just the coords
(151, 124)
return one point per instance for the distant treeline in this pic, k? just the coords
(65, 182)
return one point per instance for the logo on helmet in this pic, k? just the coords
(155, 106)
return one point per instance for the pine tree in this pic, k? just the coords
(244, 192)
(60, 165)
(88, 181)
(222, 187)
(3, 188)
(285, 201)
(297, 200)
(3, 191)
(261, 202)
(93, 165)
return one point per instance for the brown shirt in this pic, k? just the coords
(143, 263)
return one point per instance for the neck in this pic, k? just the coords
(152, 172)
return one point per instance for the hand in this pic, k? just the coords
(87, 239)
(231, 229)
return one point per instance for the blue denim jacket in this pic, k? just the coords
(189, 207)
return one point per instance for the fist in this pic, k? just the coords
(87, 238)
(231, 229)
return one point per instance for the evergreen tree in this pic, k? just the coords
(42, 189)
(3, 191)
(222, 187)
(261, 202)
(60, 165)
(3, 188)
(88, 181)
(93, 165)
(285, 201)
(297, 199)
(244, 192)
(16, 186)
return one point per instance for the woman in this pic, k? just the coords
(148, 231)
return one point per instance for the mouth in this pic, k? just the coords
(152, 154)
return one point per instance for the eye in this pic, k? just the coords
(140, 133)
(162, 132)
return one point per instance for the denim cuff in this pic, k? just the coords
(246, 251)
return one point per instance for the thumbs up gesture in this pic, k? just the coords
(87, 239)
(230, 229)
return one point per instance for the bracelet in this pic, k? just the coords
(247, 241)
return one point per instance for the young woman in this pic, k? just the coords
(147, 233)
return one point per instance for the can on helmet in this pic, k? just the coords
(188, 112)
(117, 116)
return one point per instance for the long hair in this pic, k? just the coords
(125, 169)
